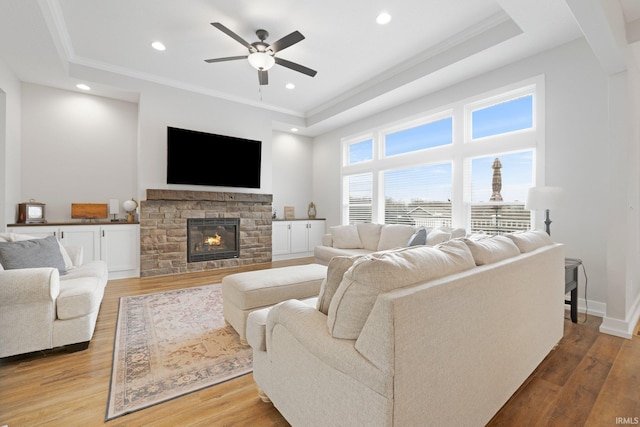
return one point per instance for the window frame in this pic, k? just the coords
(459, 153)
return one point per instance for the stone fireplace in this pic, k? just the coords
(173, 220)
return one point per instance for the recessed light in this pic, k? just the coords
(383, 18)
(290, 86)
(294, 129)
(83, 86)
(158, 46)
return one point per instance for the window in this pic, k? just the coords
(359, 191)
(510, 215)
(420, 195)
(426, 171)
(360, 151)
(508, 116)
(429, 135)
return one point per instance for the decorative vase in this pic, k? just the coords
(311, 212)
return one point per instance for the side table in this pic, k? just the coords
(571, 285)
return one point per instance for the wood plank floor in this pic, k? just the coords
(589, 379)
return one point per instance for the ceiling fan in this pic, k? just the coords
(262, 56)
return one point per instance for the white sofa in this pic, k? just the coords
(41, 309)
(366, 238)
(415, 336)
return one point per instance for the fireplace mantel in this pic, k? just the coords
(213, 196)
(163, 228)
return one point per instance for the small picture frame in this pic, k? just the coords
(289, 212)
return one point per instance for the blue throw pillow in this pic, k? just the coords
(32, 254)
(418, 238)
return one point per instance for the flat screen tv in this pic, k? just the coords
(201, 158)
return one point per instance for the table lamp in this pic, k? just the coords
(546, 198)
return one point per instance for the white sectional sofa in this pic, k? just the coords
(47, 307)
(421, 335)
(366, 238)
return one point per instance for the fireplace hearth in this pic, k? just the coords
(212, 238)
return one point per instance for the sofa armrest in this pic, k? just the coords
(27, 285)
(309, 327)
(327, 240)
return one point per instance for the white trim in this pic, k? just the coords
(622, 328)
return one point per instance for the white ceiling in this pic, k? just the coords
(362, 67)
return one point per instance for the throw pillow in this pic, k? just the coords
(418, 238)
(395, 236)
(32, 254)
(369, 233)
(381, 272)
(437, 236)
(345, 237)
(528, 241)
(494, 249)
(335, 271)
(15, 237)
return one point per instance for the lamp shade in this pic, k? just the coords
(261, 61)
(114, 206)
(543, 198)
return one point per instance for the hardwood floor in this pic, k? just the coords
(589, 379)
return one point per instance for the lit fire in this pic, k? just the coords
(213, 240)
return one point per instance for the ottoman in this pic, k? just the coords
(245, 292)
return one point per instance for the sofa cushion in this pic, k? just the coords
(382, 272)
(528, 241)
(335, 271)
(32, 253)
(493, 249)
(395, 236)
(437, 236)
(369, 233)
(78, 297)
(346, 237)
(418, 238)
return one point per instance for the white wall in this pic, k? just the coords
(163, 106)
(76, 148)
(292, 174)
(576, 131)
(9, 144)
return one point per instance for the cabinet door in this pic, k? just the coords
(280, 240)
(87, 236)
(316, 231)
(299, 236)
(119, 247)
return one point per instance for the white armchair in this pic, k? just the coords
(40, 309)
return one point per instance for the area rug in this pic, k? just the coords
(171, 343)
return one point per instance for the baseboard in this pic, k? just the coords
(592, 308)
(622, 328)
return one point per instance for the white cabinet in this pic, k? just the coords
(296, 239)
(116, 244)
(120, 249)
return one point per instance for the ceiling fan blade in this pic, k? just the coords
(296, 67)
(231, 34)
(287, 41)
(228, 58)
(263, 77)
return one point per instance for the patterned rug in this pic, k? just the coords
(171, 343)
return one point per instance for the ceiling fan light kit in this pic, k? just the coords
(261, 61)
(262, 56)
